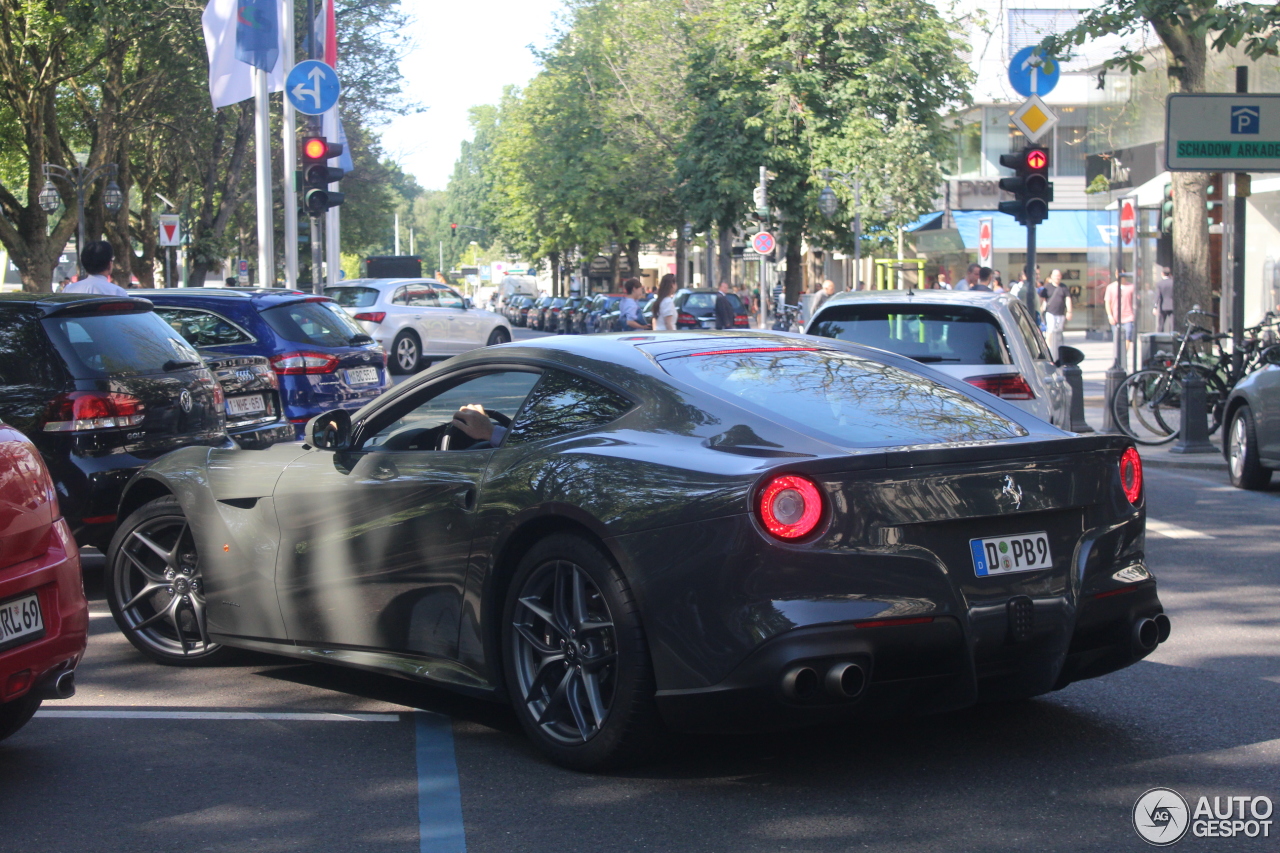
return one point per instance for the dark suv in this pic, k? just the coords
(101, 385)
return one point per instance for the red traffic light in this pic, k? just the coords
(315, 148)
(1037, 159)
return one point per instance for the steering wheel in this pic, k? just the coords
(455, 439)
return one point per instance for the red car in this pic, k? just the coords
(44, 617)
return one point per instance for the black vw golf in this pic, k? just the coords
(691, 530)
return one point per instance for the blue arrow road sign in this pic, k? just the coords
(312, 87)
(1033, 73)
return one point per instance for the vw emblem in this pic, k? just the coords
(184, 400)
(1012, 492)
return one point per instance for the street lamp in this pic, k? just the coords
(829, 204)
(81, 179)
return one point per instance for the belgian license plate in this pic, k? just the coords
(249, 404)
(20, 620)
(1001, 555)
(362, 375)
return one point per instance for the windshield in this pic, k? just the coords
(947, 334)
(321, 324)
(843, 398)
(352, 297)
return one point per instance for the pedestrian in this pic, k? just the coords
(970, 279)
(1163, 308)
(664, 313)
(97, 259)
(944, 282)
(997, 284)
(828, 290)
(1118, 300)
(724, 308)
(1057, 309)
(983, 283)
(779, 292)
(628, 308)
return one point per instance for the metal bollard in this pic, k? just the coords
(1115, 377)
(1075, 381)
(1194, 435)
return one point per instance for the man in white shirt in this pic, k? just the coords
(97, 259)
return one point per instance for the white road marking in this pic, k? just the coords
(99, 714)
(1173, 531)
(99, 614)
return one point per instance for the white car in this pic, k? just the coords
(989, 340)
(418, 320)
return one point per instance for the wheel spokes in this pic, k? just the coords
(142, 567)
(160, 552)
(534, 640)
(150, 587)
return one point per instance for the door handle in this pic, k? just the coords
(466, 499)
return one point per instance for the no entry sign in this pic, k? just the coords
(985, 242)
(1128, 221)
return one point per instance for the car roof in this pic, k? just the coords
(50, 302)
(258, 297)
(384, 283)
(931, 296)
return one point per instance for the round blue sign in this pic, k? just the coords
(1033, 73)
(312, 87)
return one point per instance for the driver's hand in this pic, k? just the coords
(472, 420)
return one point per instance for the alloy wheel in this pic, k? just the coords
(1237, 447)
(406, 354)
(565, 652)
(160, 590)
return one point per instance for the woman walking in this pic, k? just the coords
(664, 312)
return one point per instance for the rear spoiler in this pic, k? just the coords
(98, 305)
(1027, 448)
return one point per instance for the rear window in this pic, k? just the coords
(946, 334)
(119, 345)
(842, 398)
(321, 324)
(352, 297)
(700, 302)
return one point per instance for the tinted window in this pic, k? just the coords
(1030, 332)
(844, 399)
(700, 302)
(24, 357)
(352, 297)
(321, 324)
(495, 392)
(203, 328)
(119, 344)
(949, 334)
(564, 403)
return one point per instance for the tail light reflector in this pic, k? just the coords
(1131, 475)
(740, 320)
(85, 411)
(372, 316)
(294, 363)
(1006, 386)
(688, 319)
(790, 506)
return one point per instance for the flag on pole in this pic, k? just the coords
(258, 33)
(229, 76)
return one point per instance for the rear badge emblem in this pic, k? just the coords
(184, 400)
(1012, 492)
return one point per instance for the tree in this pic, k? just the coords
(1188, 30)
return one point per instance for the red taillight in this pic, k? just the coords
(219, 398)
(790, 506)
(372, 316)
(293, 363)
(1006, 386)
(741, 320)
(687, 319)
(83, 411)
(1131, 475)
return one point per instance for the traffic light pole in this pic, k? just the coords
(1242, 191)
(1029, 292)
(313, 128)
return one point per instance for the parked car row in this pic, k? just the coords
(586, 315)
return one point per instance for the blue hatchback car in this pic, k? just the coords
(324, 360)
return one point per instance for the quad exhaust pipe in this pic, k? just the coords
(843, 680)
(1151, 632)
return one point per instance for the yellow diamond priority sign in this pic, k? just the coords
(1034, 118)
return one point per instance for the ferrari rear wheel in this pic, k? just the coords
(577, 665)
(155, 587)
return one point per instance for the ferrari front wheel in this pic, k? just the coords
(155, 587)
(577, 665)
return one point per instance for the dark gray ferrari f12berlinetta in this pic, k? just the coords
(698, 531)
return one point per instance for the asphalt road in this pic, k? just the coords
(350, 762)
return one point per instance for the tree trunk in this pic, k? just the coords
(1191, 281)
(554, 260)
(682, 258)
(725, 254)
(633, 257)
(220, 195)
(795, 269)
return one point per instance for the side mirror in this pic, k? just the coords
(1069, 355)
(330, 431)
(466, 302)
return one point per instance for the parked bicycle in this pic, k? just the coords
(788, 320)
(1148, 404)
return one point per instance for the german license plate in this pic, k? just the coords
(1002, 555)
(362, 375)
(20, 620)
(249, 404)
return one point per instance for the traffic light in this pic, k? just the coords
(1032, 190)
(453, 231)
(317, 174)
(1166, 211)
(1214, 198)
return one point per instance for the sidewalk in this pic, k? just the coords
(1098, 356)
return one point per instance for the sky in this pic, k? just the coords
(464, 54)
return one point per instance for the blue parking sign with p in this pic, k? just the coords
(1246, 119)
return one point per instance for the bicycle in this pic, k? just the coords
(788, 320)
(1147, 406)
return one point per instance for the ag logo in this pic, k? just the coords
(1160, 817)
